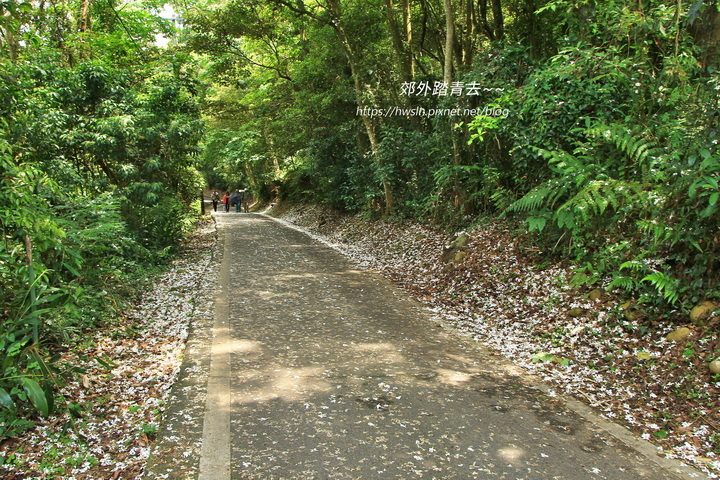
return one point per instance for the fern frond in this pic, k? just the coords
(636, 148)
(544, 195)
(597, 196)
(626, 283)
(665, 285)
(633, 265)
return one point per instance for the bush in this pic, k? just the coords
(159, 226)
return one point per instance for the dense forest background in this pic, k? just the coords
(596, 123)
(99, 138)
(593, 123)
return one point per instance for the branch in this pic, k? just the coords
(484, 20)
(240, 53)
(300, 9)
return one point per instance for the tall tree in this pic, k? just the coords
(704, 23)
(449, 41)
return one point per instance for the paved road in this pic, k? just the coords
(321, 371)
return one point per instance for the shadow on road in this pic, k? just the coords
(322, 371)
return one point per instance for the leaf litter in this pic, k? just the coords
(129, 366)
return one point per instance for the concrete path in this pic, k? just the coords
(320, 371)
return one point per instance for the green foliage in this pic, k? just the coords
(98, 144)
(582, 194)
(22, 288)
(412, 165)
(608, 152)
(666, 286)
(343, 179)
(156, 224)
(643, 189)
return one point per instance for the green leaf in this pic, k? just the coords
(712, 183)
(75, 410)
(661, 434)
(665, 285)
(50, 398)
(71, 268)
(543, 357)
(6, 400)
(105, 362)
(565, 362)
(708, 211)
(565, 218)
(713, 200)
(536, 223)
(36, 395)
(710, 164)
(643, 356)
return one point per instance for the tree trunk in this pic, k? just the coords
(498, 20)
(404, 61)
(11, 44)
(496, 30)
(483, 20)
(407, 20)
(7, 34)
(273, 150)
(449, 42)
(706, 33)
(31, 280)
(84, 17)
(83, 26)
(357, 82)
(469, 43)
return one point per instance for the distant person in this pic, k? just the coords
(215, 197)
(241, 200)
(245, 199)
(226, 201)
(236, 200)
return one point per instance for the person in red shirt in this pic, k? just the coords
(226, 201)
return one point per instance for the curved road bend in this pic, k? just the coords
(322, 371)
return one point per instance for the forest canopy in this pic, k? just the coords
(594, 123)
